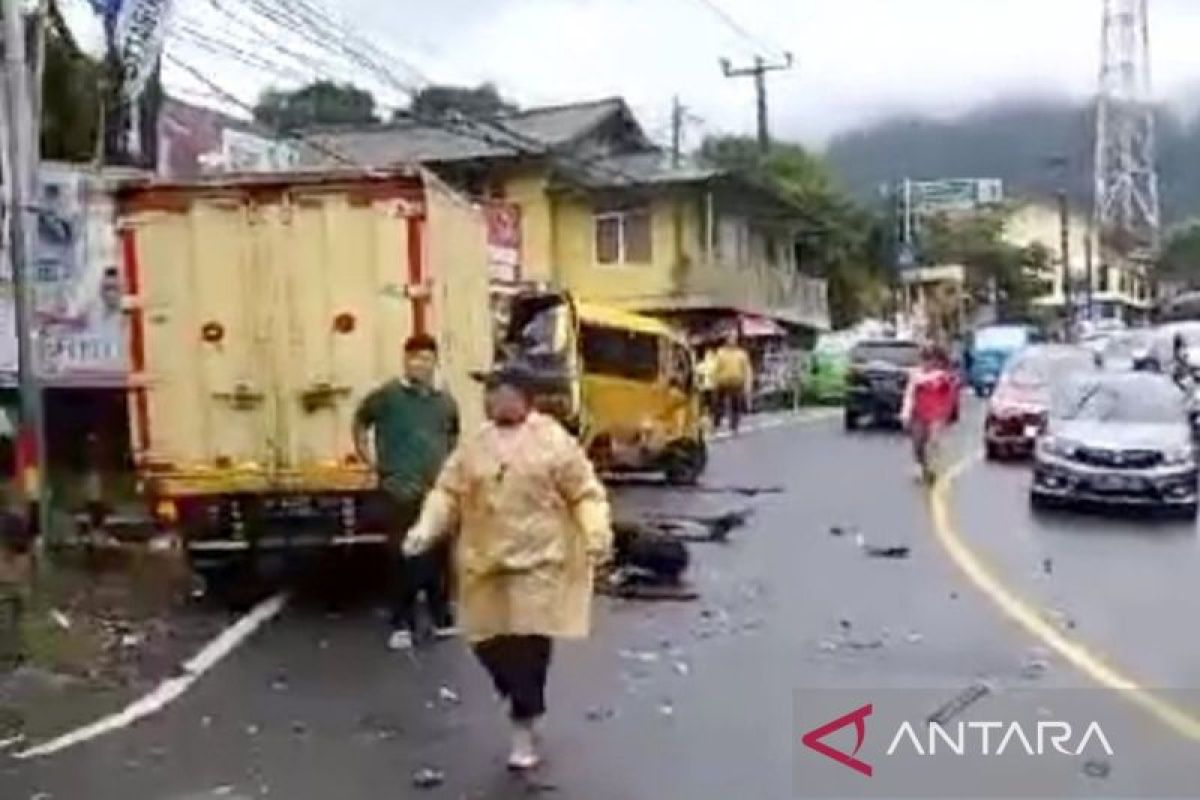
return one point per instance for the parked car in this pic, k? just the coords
(876, 380)
(1017, 410)
(1117, 439)
(991, 347)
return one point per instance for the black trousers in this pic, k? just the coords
(731, 401)
(428, 573)
(518, 666)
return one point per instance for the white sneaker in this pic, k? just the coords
(400, 640)
(523, 755)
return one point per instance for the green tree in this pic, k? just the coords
(71, 92)
(437, 101)
(839, 240)
(1181, 254)
(1011, 275)
(319, 103)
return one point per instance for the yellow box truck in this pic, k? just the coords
(260, 310)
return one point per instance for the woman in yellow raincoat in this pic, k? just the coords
(533, 522)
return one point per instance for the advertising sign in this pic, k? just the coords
(76, 285)
(504, 241)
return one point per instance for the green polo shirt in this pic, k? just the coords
(415, 429)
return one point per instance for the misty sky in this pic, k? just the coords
(856, 60)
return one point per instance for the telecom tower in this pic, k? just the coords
(1126, 189)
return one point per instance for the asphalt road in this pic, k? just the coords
(707, 700)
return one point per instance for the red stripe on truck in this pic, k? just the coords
(416, 270)
(137, 340)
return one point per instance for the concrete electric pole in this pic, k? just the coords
(759, 72)
(20, 132)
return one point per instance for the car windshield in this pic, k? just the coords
(900, 354)
(1004, 338)
(1134, 401)
(1036, 367)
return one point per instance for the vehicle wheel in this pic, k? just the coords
(686, 462)
(1040, 502)
(1185, 513)
(850, 420)
(992, 452)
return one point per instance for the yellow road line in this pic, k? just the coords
(1027, 616)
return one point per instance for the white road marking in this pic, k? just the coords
(171, 689)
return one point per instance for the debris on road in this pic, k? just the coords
(827, 646)
(1047, 566)
(641, 656)
(864, 644)
(667, 708)
(954, 595)
(1097, 768)
(428, 778)
(959, 703)
(682, 668)
(901, 551)
(600, 714)
(449, 696)
(60, 619)
(713, 527)
(914, 638)
(279, 684)
(222, 791)
(1034, 668)
(838, 530)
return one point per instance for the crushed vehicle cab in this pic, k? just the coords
(622, 382)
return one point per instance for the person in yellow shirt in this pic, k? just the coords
(733, 377)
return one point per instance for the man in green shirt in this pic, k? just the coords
(415, 426)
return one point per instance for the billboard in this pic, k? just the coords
(77, 287)
(954, 194)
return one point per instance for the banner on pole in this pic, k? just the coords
(141, 28)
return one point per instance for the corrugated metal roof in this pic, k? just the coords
(538, 129)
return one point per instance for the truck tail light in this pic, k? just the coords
(166, 512)
(212, 332)
(344, 323)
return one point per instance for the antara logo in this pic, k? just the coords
(857, 718)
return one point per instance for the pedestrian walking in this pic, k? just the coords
(733, 376)
(928, 406)
(415, 426)
(533, 524)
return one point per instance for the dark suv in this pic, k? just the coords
(877, 378)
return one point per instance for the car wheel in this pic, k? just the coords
(1185, 513)
(850, 420)
(992, 451)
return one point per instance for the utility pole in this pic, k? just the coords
(1087, 263)
(20, 132)
(676, 130)
(759, 73)
(1064, 224)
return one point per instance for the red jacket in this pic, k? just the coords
(930, 394)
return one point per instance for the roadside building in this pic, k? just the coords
(580, 198)
(1120, 289)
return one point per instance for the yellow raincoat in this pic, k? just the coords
(533, 519)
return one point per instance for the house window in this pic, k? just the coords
(624, 237)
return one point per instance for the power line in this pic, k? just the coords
(737, 27)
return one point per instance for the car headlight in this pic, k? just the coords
(1181, 456)
(1055, 447)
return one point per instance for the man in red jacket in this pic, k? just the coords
(929, 400)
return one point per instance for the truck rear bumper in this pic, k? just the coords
(285, 543)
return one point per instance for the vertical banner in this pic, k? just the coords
(141, 27)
